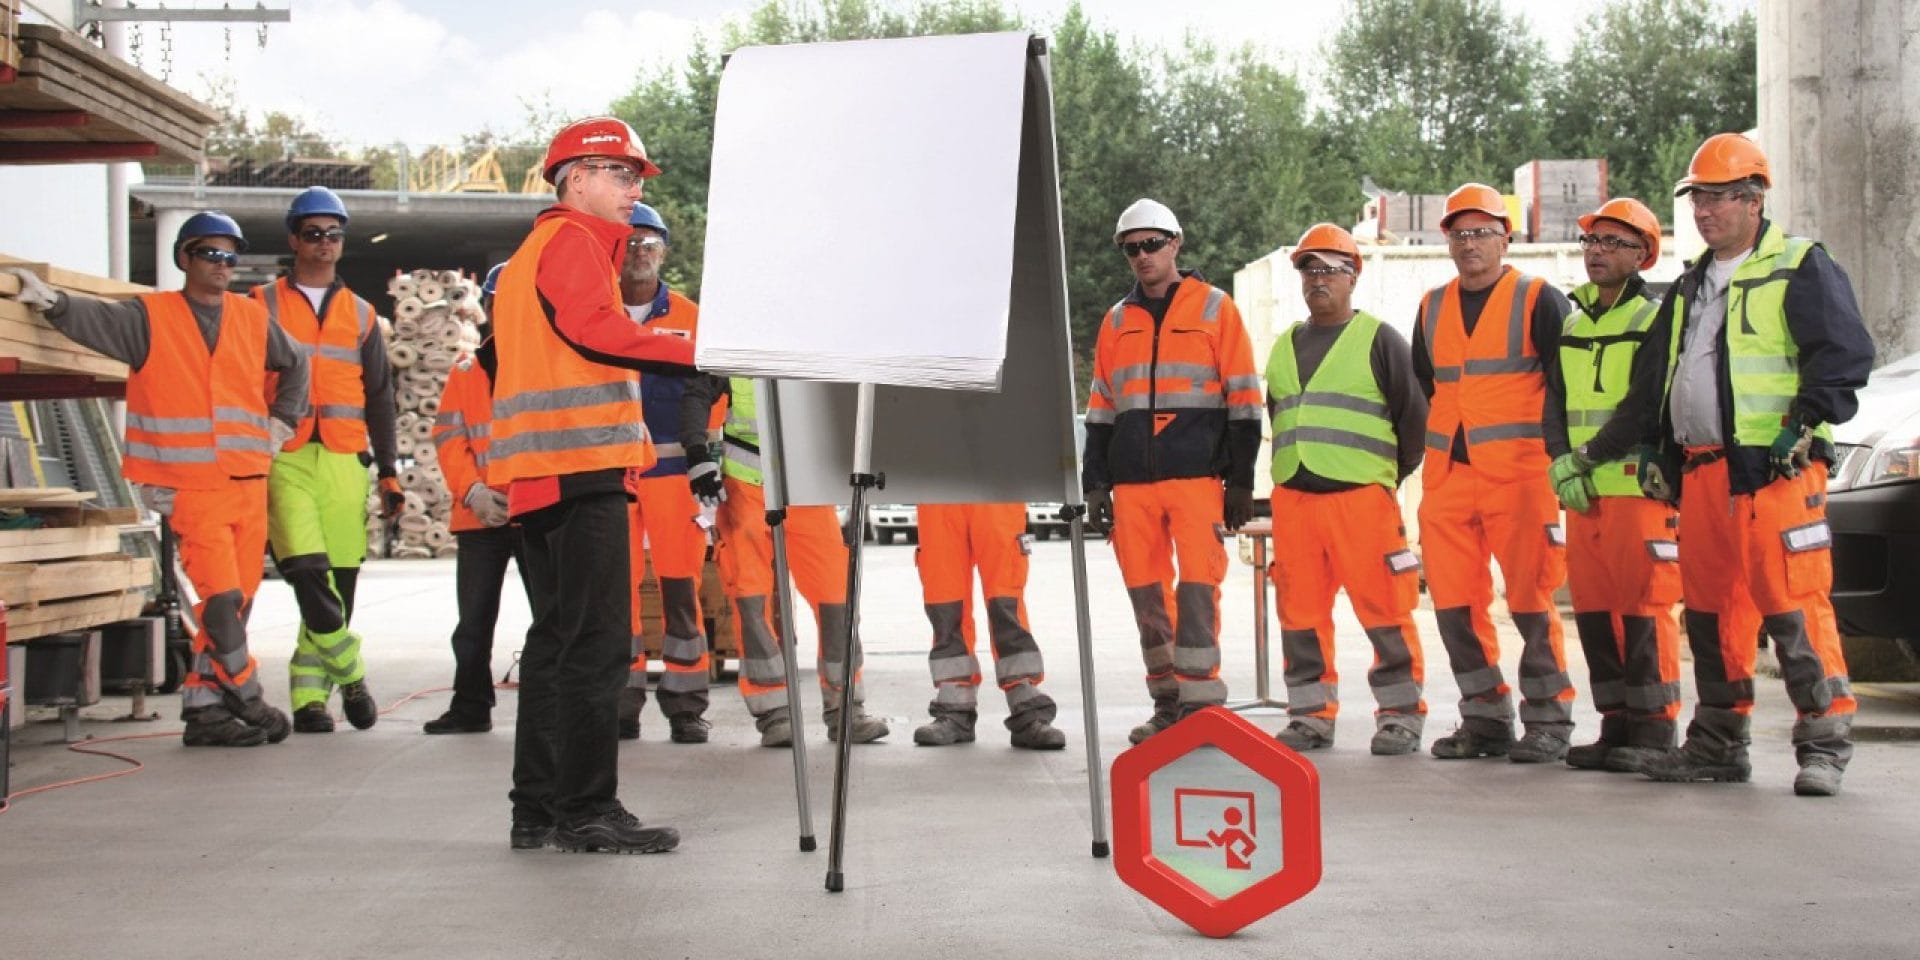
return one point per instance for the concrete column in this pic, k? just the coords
(1839, 111)
(166, 224)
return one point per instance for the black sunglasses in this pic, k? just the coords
(1609, 242)
(225, 258)
(317, 235)
(1152, 245)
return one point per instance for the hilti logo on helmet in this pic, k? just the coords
(602, 138)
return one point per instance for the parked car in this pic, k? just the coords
(890, 520)
(1873, 505)
(1043, 520)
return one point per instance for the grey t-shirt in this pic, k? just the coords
(1695, 402)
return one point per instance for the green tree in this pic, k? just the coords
(1645, 82)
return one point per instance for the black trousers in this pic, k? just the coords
(566, 738)
(479, 573)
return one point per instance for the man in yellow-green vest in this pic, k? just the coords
(1349, 423)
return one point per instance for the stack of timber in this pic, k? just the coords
(66, 573)
(29, 345)
(71, 102)
(435, 315)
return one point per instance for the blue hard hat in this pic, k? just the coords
(493, 278)
(315, 202)
(645, 216)
(208, 223)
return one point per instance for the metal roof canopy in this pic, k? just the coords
(70, 102)
(441, 231)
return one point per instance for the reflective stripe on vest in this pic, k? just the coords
(1488, 385)
(1596, 363)
(196, 419)
(1338, 424)
(337, 380)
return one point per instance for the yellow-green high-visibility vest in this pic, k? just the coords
(1596, 362)
(1336, 425)
(740, 437)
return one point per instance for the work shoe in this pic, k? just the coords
(312, 718)
(1818, 777)
(455, 722)
(1691, 762)
(1155, 724)
(217, 727)
(256, 713)
(777, 733)
(614, 831)
(357, 702)
(1038, 735)
(631, 700)
(1591, 756)
(1465, 744)
(1393, 739)
(688, 728)
(866, 727)
(1538, 746)
(530, 833)
(944, 731)
(1303, 737)
(1629, 759)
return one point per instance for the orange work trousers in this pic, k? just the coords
(955, 540)
(1350, 539)
(1759, 560)
(817, 558)
(1465, 522)
(1153, 525)
(222, 536)
(663, 523)
(1623, 570)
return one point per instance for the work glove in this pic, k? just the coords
(1238, 508)
(1569, 465)
(157, 499)
(280, 431)
(1576, 493)
(1789, 453)
(704, 479)
(392, 498)
(1100, 508)
(34, 291)
(488, 504)
(1652, 474)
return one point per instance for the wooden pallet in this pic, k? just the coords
(48, 618)
(27, 585)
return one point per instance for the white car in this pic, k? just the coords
(889, 520)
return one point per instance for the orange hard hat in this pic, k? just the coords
(597, 137)
(1725, 158)
(1476, 198)
(1327, 238)
(1636, 217)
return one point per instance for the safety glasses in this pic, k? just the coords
(317, 235)
(646, 244)
(622, 174)
(1475, 233)
(1150, 245)
(225, 258)
(1608, 242)
(1322, 271)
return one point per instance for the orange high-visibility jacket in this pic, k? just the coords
(332, 345)
(1170, 391)
(197, 419)
(554, 411)
(1490, 384)
(461, 435)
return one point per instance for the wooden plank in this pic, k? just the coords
(25, 335)
(43, 496)
(87, 515)
(73, 615)
(116, 108)
(72, 281)
(31, 584)
(57, 543)
(68, 47)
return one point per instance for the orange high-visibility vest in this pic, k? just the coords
(1490, 384)
(462, 436)
(554, 411)
(337, 388)
(197, 419)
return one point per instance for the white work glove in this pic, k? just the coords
(157, 499)
(280, 431)
(488, 504)
(704, 479)
(34, 291)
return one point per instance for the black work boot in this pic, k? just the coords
(357, 702)
(256, 713)
(1593, 756)
(1039, 735)
(1649, 739)
(1468, 744)
(530, 831)
(453, 721)
(613, 831)
(312, 718)
(631, 700)
(218, 727)
(1716, 750)
(688, 728)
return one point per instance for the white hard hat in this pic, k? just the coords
(1145, 214)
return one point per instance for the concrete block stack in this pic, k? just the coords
(435, 314)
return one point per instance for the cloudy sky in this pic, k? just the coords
(427, 71)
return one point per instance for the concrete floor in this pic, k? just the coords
(391, 844)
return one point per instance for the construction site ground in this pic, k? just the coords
(390, 844)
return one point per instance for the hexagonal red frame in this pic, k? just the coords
(1299, 785)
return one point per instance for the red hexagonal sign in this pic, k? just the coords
(1216, 822)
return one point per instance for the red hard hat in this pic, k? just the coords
(1726, 158)
(1327, 238)
(1636, 217)
(597, 137)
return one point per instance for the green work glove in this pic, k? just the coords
(1576, 493)
(1788, 455)
(1569, 465)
